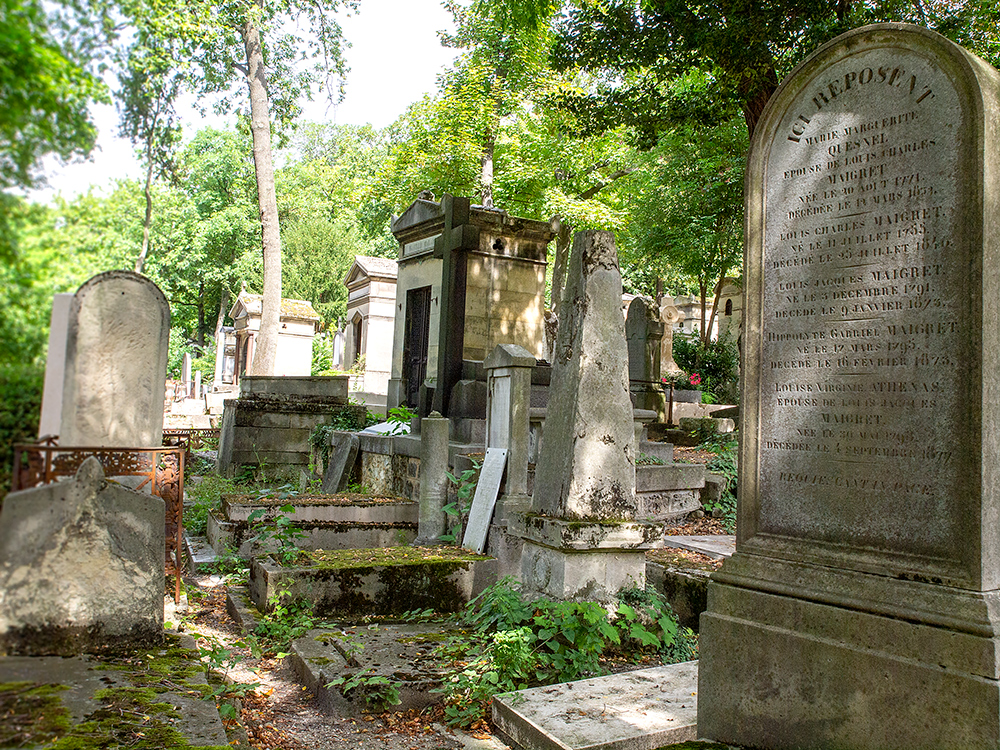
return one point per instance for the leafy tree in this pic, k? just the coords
(46, 88)
(507, 47)
(149, 87)
(256, 44)
(689, 215)
(637, 48)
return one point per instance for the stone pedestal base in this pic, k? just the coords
(779, 671)
(568, 575)
(582, 561)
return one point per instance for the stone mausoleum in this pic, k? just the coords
(297, 326)
(371, 303)
(469, 278)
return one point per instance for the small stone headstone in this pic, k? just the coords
(485, 499)
(116, 363)
(81, 567)
(343, 455)
(643, 332)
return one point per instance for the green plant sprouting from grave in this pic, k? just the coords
(347, 419)
(288, 617)
(282, 531)
(399, 419)
(724, 464)
(378, 691)
(458, 510)
(220, 659)
(512, 644)
(644, 459)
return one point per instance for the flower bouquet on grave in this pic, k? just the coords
(683, 386)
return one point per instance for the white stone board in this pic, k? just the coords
(485, 499)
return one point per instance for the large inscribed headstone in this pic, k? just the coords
(861, 605)
(116, 363)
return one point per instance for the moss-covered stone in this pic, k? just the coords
(31, 714)
(370, 558)
(138, 710)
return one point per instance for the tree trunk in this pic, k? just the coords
(715, 300)
(266, 344)
(223, 310)
(560, 263)
(486, 171)
(201, 314)
(705, 335)
(140, 261)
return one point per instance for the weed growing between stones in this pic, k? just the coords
(289, 618)
(646, 460)
(513, 644)
(284, 532)
(378, 691)
(458, 511)
(725, 464)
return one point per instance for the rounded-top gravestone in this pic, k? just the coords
(116, 363)
(859, 608)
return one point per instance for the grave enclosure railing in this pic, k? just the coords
(190, 439)
(163, 469)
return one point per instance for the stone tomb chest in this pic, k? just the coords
(469, 278)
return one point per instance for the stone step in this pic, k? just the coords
(333, 508)
(640, 710)
(200, 553)
(241, 538)
(359, 582)
(399, 652)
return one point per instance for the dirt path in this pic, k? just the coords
(281, 715)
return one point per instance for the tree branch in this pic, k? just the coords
(592, 191)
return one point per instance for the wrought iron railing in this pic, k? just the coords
(190, 439)
(163, 469)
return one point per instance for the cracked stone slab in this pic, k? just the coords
(400, 652)
(639, 710)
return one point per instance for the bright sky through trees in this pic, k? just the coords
(395, 58)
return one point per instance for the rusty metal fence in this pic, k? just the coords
(190, 439)
(163, 469)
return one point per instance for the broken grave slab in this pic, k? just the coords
(402, 653)
(639, 710)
